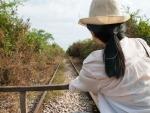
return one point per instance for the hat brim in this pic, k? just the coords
(104, 20)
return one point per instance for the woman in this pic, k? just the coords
(120, 73)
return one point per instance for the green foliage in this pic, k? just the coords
(38, 39)
(11, 27)
(9, 6)
(21, 48)
(15, 35)
(53, 51)
(138, 26)
(83, 48)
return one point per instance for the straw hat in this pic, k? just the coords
(105, 12)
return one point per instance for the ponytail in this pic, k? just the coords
(113, 56)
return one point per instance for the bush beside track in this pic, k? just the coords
(25, 53)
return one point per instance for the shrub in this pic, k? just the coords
(83, 48)
(20, 46)
(138, 26)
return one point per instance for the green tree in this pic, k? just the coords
(138, 26)
(38, 39)
(21, 46)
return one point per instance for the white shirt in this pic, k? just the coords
(128, 95)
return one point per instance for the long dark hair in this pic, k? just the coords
(113, 55)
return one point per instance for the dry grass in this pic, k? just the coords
(20, 71)
(59, 79)
(26, 58)
(13, 71)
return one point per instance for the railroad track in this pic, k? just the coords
(71, 102)
(39, 107)
(90, 93)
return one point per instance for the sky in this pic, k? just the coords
(60, 17)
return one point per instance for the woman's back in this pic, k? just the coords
(130, 94)
(120, 73)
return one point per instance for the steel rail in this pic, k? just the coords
(23, 89)
(94, 97)
(38, 108)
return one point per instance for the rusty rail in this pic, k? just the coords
(39, 105)
(94, 97)
(24, 89)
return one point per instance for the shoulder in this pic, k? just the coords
(134, 43)
(95, 56)
(133, 48)
(142, 41)
(139, 43)
(133, 39)
(138, 40)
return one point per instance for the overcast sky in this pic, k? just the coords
(60, 17)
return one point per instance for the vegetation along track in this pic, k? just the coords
(66, 101)
(37, 106)
(57, 101)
